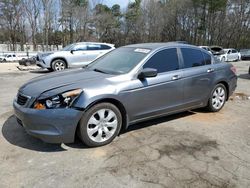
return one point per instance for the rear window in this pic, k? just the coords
(94, 47)
(105, 47)
(192, 57)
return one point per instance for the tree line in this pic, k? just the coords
(54, 22)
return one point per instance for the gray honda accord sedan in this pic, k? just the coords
(128, 85)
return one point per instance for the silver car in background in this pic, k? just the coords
(126, 86)
(73, 55)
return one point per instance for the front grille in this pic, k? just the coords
(21, 99)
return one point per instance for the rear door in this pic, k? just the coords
(198, 75)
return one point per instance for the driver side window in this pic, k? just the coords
(163, 61)
(80, 47)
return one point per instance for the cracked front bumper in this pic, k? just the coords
(50, 125)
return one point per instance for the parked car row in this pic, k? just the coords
(224, 55)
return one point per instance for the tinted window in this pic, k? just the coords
(163, 61)
(234, 51)
(207, 59)
(94, 47)
(105, 47)
(192, 57)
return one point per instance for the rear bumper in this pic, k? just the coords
(50, 125)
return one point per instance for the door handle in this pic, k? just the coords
(210, 70)
(176, 77)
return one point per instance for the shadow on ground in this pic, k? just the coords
(16, 135)
(40, 71)
(157, 121)
(244, 76)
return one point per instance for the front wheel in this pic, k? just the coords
(217, 98)
(58, 65)
(223, 59)
(100, 124)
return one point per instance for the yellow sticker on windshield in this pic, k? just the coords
(142, 50)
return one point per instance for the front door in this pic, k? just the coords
(160, 94)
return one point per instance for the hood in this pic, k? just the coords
(79, 78)
(217, 50)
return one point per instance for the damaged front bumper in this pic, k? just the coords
(49, 125)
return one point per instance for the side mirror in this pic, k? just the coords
(72, 51)
(147, 73)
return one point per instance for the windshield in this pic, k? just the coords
(119, 61)
(68, 48)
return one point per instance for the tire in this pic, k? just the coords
(58, 65)
(92, 127)
(223, 59)
(217, 98)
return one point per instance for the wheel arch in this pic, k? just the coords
(227, 87)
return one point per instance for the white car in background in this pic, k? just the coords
(73, 55)
(10, 58)
(206, 48)
(230, 55)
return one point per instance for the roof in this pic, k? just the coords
(94, 43)
(154, 46)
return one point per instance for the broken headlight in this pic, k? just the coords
(63, 100)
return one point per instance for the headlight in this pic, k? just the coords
(63, 100)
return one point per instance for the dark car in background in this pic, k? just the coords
(28, 61)
(245, 54)
(128, 85)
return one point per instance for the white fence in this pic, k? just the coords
(28, 49)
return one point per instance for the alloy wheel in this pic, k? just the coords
(59, 65)
(102, 125)
(218, 98)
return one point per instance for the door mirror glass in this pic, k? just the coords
(147, 73)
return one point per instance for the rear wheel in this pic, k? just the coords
(217, 98)
(100, 124)
(58, 65)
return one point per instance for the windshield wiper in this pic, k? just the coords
(101, 71)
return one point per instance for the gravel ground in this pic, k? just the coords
(190, 149)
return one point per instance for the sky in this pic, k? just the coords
(122, 3)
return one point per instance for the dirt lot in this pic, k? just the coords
(191, 149)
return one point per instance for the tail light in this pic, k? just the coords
(233, 69)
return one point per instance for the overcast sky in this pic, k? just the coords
(122, 3)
